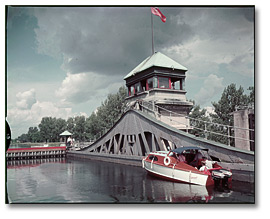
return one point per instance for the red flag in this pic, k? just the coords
(157, 12)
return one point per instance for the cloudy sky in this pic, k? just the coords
(64, 61)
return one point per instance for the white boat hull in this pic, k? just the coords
(176, 174)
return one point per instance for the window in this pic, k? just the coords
(164, 83)
(183, 84)
(143, 85)
(150, 83)
(176, 84)
(152, 157)
(155, 82)
(137, 88)
(132, 90)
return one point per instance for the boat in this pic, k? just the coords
(189, 164)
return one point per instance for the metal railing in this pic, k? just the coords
(153, 108)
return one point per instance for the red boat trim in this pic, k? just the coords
(178, 168)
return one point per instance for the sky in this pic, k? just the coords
(64, 61)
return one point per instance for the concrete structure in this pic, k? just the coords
(137, 133)
(161, 81)
(244, 125)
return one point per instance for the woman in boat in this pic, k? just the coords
(181, 158)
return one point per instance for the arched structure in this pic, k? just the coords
(137, 133)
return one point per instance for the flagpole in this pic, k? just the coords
(152, 33)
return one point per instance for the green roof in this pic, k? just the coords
(65, 133)
(157, 59)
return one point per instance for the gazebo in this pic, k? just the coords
(64, 136)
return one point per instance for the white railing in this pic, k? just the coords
(154, 111)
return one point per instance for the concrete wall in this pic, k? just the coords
(241, 120)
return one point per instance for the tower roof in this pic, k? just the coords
(157, 59)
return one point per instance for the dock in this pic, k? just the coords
(35, 152)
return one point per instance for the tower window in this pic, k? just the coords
(137, 87)
(149, 84)
(132, 90)
(164, 83)
(177, 84)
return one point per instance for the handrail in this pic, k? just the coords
(211, 123)
(194, 127)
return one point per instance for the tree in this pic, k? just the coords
(23, 138)
(48, 129)
(251, 97)
(61, 125)
(79, 128)
(33, 134)
(70, 124)
(199, 120)
(231, 98)
(107, 114)
(92, 126)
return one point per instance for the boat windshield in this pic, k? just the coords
(189, 149)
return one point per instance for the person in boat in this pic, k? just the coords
(181, 158)
(197, 160)
(208, 164)
(203, 167)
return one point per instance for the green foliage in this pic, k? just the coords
(23, 138)
(79, 128)
(251, 97)
(33, 134)
(199, 119)
(231, 98)
(107, 114)
(50, 128)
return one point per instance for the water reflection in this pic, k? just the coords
(82, 181)
(32, 162)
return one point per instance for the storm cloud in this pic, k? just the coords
(111, 40)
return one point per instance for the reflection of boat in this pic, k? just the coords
(187, 165)
(177, 192)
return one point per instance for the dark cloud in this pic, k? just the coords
(106, 40)
(113, 40)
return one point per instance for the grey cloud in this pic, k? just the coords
(112, 40)
(105, 40)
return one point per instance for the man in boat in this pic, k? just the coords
(208, 164)
(197, 160)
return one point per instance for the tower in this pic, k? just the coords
(158, 83)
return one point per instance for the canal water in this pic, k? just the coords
(65, 180)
